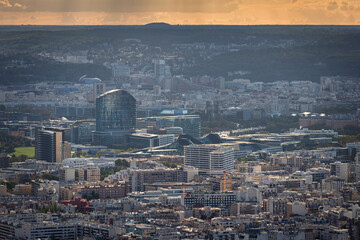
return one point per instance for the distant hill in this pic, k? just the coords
(159, 25)
(319, 50)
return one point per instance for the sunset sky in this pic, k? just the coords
(129, 12)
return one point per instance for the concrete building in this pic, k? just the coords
(48, 230)
(50, 145)
(340, 170)
(333, 183)
(191, 124)
(166, 139)
(90, 174)
(296, 208)
(159, 69)
(98, 89)
(81, 131)
(66, 193)
(276, 206)
(209, 157)
(23, 189)
(142, 140)
(146, 140)
(105, 190)
(3, 190)
(139, 178)
(221, 200)
(67, 174)
(120, 70)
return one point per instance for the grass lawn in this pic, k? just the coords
(28, 151)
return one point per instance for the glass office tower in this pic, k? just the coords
(115, 117)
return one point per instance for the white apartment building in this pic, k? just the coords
(209, 157)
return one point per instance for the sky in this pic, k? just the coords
(184, 12)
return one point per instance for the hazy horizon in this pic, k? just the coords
(184, 12)
(180, 24)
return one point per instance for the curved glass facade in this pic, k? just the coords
(115, 111)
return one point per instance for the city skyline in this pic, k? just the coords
(172, 130)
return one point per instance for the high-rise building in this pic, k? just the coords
(50, 145)
(209, 157)
(159, 69)
(99, 88)
(115, 117)
(283, 106)
(212, 110)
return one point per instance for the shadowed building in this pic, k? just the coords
(50, 145)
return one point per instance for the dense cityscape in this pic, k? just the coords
(130, 140)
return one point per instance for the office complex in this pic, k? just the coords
(191, 124)
(145, 140)
(209, 157)
(50, 145)
(115, 117)
(81, 131)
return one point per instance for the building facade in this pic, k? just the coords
(50, 145)
(191, 124)
(90, 174)
(209, 157)
(115, 117)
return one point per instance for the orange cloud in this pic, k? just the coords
(128, 12)
(211, 6)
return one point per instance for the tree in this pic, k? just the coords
(91, 196)
(105, 172)
(9, 143)
(169, 165)
(98, 154)
(50, 176)
(51, 207)
(79, 154)
(121, 164)
(20, 158)
(9, 185)
(350, 130)
(245, 159)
